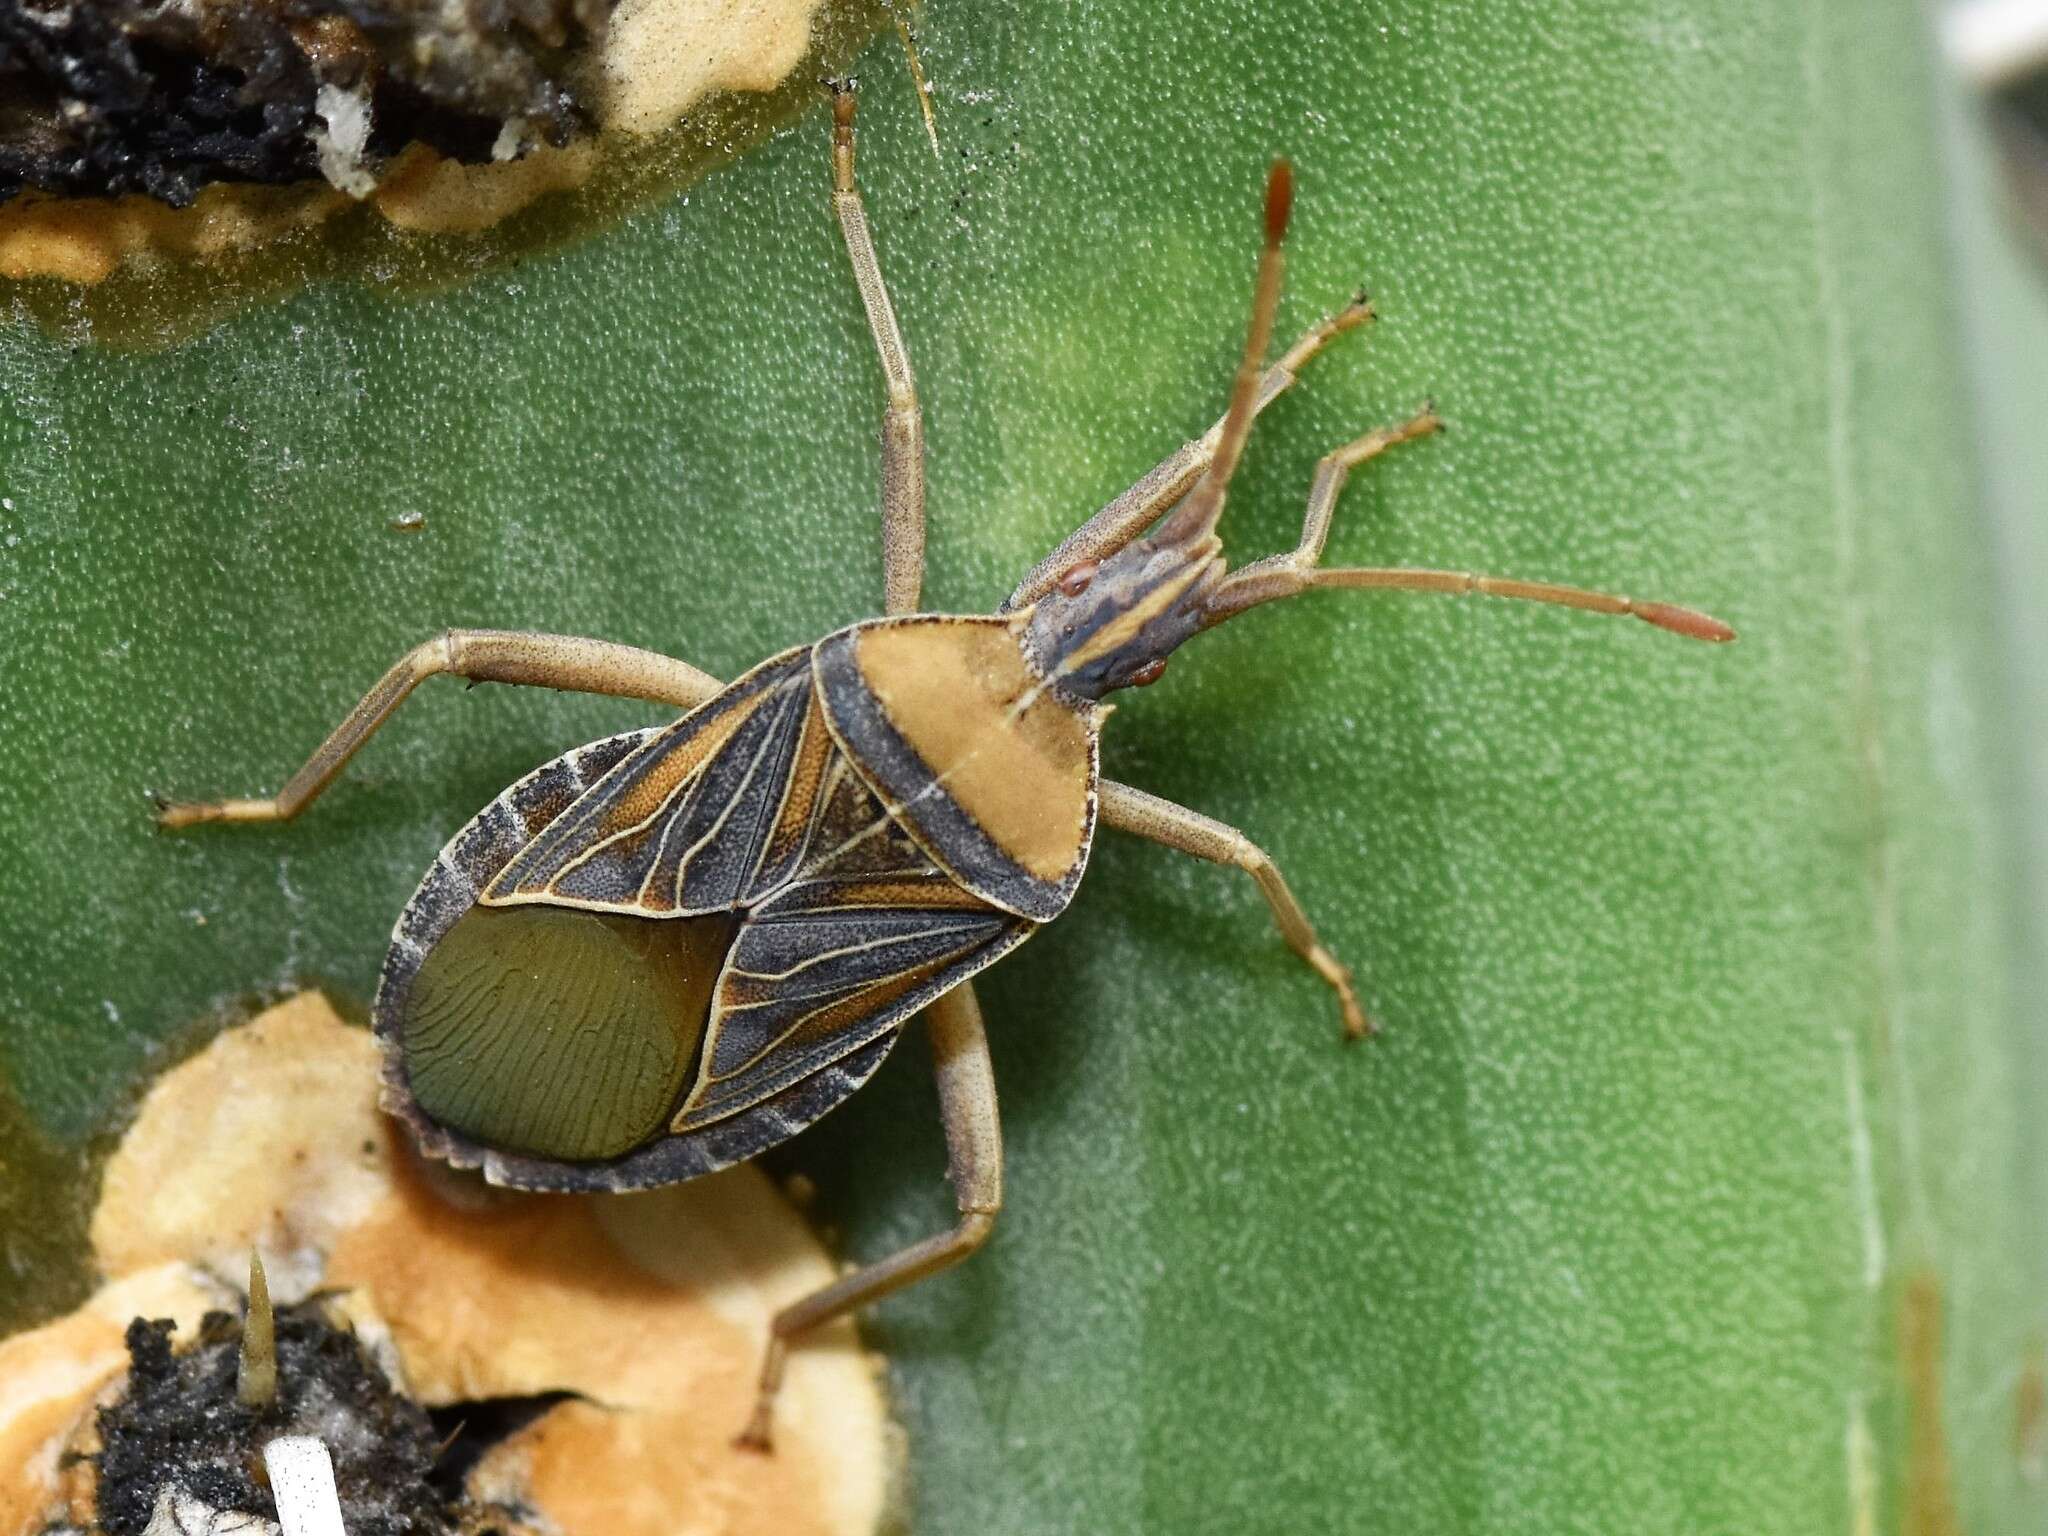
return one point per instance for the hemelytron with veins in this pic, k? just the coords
(666, 951)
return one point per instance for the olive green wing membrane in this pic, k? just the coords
(703, 816)
(814, 989)
(579, 1059)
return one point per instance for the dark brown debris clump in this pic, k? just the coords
(164, 97)
(179, 1429)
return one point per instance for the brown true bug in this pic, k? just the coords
(667, 951)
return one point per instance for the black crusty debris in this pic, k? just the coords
(164, 97)
(179, 1424)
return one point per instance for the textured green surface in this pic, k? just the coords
(1703, 1052)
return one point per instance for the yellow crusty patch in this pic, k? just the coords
(661, 60)
(664, 56)
(1009, 753)
(84, 239)
(652, 1309)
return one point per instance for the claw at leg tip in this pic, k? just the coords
(169, 815)
(1356, 1025)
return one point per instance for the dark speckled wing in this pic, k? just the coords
(697, 819)
(867, 931)
(845, 926)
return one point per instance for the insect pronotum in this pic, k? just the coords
(666, 951)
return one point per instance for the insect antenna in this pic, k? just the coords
(1196, 517)
(1281, 576)
(1266, 583)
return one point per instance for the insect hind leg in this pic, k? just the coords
(902, 417)
(974, 1154)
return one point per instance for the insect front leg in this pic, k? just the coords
(1131, 513)
(974, 1155)
(1162, 821)
(902, 419)
(1331, 473)
(567, 662)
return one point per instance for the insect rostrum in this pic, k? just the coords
(664, 952)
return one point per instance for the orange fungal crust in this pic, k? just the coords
(654, 1306)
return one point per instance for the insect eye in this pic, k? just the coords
(1149, 673)
(1076, 580)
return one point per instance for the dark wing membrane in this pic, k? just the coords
(829, 855)
(869, 931)
(800, 993)
(699, 818)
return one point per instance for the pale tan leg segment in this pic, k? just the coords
(1300, 569)
(1335, 468)
(567, 662)
(967, 1084)
(1331, 473)
(1110, 529)
(902, 420)
(974, 1152)
(1148, 816)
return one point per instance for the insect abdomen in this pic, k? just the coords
(561, 1033)
(624, 1040)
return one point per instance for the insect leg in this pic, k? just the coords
(967, 1089)
(974, 1156)
(1130, 514)
(1301, 568)
(1162, 821)
(568, 662)
(1331, 473)
(902, 420)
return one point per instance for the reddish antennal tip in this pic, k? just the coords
(1279, 200)
(1195, 517)
(1689, 622)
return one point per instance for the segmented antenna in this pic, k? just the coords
(1271, 582)
(1689, 622)
(1197, 516)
